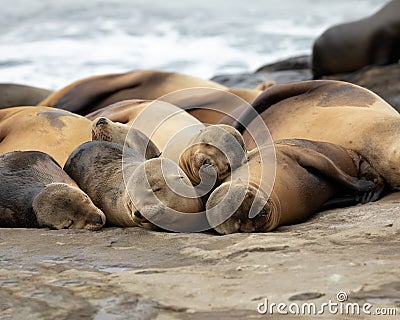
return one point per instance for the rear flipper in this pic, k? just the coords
(339, 202)
(321, 165)
(350, 200)
(367, 172)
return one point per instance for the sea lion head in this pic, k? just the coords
(164, 196)
(62, 206)
(221, 202)
(104, 129)
(217, 149)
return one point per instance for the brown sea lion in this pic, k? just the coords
(308, 174)
(216, 150)
(347, 47)
(107, 173)
(96, 166)
(207, 105)
(209, 153)
(167, 126)
(165, 197)
(126, 111)
(105, 130)
(36, 192)
(52, 131)
(332, 111)
(14, 95)
(90, 94)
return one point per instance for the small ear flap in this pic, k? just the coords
(86, 93)
(309, 158)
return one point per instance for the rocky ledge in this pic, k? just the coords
(137, 274)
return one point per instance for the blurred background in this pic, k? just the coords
(52, 43)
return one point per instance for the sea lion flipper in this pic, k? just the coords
(309, 158)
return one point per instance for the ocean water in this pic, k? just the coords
(52, 43)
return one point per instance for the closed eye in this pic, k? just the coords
(263, 212)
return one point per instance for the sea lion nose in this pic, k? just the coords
(137, 214)
(101, 121)
(99, 220)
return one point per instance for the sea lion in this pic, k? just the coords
(36, 192)
(210, 153)
(123, 111)
(332, 111)
(207, 105)
(165, 197)
(167, 126)
(106, 171)
(14, 95)
(347, 47)
(90, 94)
(308, 174)
(217, 149)
(106, 130)
(52, 131)
(126, 111)
(96, 166)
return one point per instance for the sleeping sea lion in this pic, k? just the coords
(36, 192)
(52, 131)
(331, 111)
(308, 174)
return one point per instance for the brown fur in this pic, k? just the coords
(53, 131)
(93, 93)
(106, 130)
(97, 168)
(335, 112)
(220, 147)
(308, 174)
(36, 192)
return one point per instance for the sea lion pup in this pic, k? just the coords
(217, 149)
(106, 130)
(347, 47)
(308, 174)
(87, 95)
(36, 192)
(100, 168)
(52, 131)
(212, 152)
(167, 126)
(332, 111)
(96, 166)
(165, 197)
(14, 95)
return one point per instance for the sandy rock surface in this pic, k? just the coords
(137, 274)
